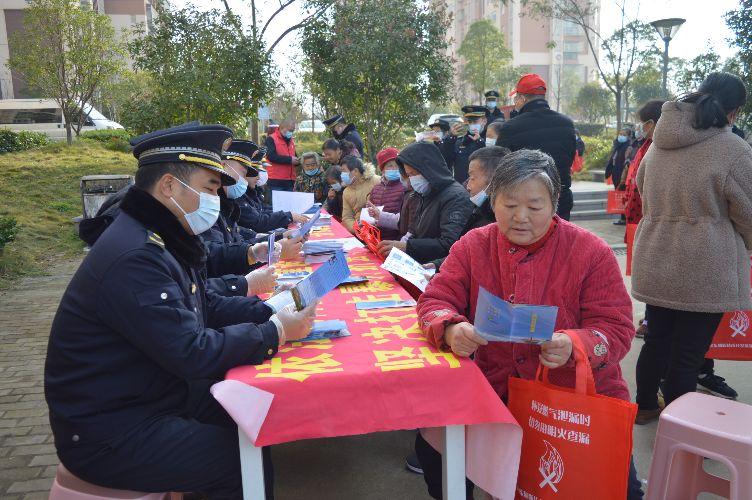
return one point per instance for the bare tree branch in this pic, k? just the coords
(282, 6)
(301, 24)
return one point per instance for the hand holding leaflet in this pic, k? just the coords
(307, 226)
(404, 266)
(501, 321)
(322, 281)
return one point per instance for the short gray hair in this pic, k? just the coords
(523, 165)
(310, 155)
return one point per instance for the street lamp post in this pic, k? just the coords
(667, 29)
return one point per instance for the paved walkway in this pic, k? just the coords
(364, 467)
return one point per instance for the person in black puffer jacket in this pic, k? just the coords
(444, 207)
(537, 126)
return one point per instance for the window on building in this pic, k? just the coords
(31, 116)
(573, 46)
(571, 28)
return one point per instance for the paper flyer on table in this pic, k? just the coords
(501, 321)
(364, 216)
(307, 226)
(320, 282)
(288, 201)
(270, 249)
(404, 266)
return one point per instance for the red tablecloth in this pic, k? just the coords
(384, 377)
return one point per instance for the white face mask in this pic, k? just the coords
(479, 198)
(263, 177)
(336, 186)
(207, 213)
(490, 142)
(420, 184)
(475, 128)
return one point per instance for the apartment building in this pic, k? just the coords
(555, 49)
(125, 15)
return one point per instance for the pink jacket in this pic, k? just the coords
(574, 270)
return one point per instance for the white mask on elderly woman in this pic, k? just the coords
(524, 213)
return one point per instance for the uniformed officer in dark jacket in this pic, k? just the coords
(539, 127)
(483, 164)
(444, 205)
(89, 230)
(444, 142)
(137, 340)
(343, 131)
(493, 113)
(462, 147)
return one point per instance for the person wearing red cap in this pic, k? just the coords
(537, 126)
(390, 191)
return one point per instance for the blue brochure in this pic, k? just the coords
(331, 329)
(270, 243)
(384, 304)
(322, 281)
(306, 227)
(501, 321)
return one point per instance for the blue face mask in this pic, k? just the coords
(238, 189)
(311, 173)
(479, 198)
(491, 104)
(287, 135)
(475, 128)
(622, 139)
(345, 178)
(336, 186)
(420, 184)
(207, 213)
(392, 175)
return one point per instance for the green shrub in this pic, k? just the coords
(112, 139)
(8, 231)
(590, 129)
(11, 141)
(597, 150)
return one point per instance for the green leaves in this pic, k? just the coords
(65, 52)
(487, 58)
(203, 68)
(380, 62)
(740, 23)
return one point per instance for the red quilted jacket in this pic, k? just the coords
(574, 270)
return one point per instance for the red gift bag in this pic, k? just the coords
(575, 443)
(578, 163)
(617, 202)
(629, 239)
(733, 338)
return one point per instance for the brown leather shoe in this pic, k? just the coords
(647, 416)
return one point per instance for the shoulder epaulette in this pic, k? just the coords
(154, 239)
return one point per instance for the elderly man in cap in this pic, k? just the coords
(493, 113)
(137, 340)
(537, 126)
(462, 146)
(343, 131)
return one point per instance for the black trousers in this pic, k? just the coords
(566, 202)
(430, 460)
(674, 348)
(196, 451)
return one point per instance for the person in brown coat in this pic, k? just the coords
(692, 247)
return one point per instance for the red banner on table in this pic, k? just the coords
(616, 202)
(733, 338)
(385, 376)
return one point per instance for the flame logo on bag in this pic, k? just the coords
(739, 323)
(551, 467)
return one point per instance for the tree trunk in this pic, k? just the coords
(68, 133)
(617, 94)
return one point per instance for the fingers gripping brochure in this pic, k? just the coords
(317, 284)
(501, 321)
(306, 227)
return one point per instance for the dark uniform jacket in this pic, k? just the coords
(352, 135)
(442, 212)
(89, 230)
(459, 151)
(227, 243)
(481, 216)
(253, 214)
(136, 328)
(539, 127)
(496, 115)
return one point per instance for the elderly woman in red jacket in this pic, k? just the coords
(531, 256)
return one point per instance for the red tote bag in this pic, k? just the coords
(616, 202)
(733, 338)
(575, 443)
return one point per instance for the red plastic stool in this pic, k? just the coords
(68, 487)
(691, 428)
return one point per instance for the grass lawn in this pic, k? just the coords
(40, 189)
